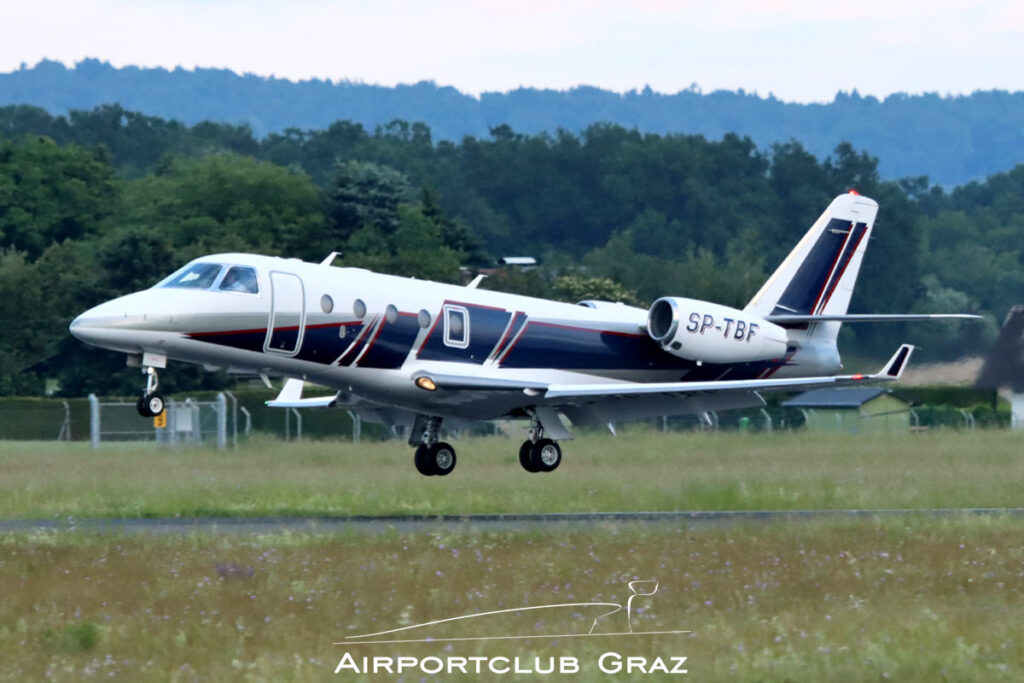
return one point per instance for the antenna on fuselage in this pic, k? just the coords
(330, 258)
(476, 281)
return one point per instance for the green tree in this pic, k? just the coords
(364, 193)
(575, 288)
(415, 248)
(222, 202)
(50, 194)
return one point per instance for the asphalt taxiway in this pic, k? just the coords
(496, 522)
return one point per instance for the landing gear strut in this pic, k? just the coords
(433, 457)
(539, 454)
(150, 404)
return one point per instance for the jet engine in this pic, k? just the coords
(711, 333)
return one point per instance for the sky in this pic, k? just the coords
(797, 50)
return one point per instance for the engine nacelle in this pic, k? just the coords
(711, 333)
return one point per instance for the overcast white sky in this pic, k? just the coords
(801, 50)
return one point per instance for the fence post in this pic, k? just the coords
(65, 429)
(248, 421)
(172, 422)
(234, 419)
(767, 420)
(298, 423)
(197, 432)
(222, 422)
(357, 426)
(94, 421)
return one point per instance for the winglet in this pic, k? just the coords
(893, 370)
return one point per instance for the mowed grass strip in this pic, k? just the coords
(917, 600)
(638, 470)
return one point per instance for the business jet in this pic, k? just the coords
(419, 354)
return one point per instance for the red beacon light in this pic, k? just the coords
(854, 192)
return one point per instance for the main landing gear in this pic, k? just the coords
(433, 457)
(539, 454)
(150, 404)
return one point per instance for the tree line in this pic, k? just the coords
(952, 139)
(108, 201)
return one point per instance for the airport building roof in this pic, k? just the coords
(853, 397)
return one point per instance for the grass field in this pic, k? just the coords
(914, 600)
(906, 599)
(639, 470)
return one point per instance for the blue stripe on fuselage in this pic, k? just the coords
(549, 345)
(324, 343)
(392, 343)
(541, 346)
(486, 326)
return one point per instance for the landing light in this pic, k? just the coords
(426, 383)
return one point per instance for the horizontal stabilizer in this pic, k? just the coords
(787, 319)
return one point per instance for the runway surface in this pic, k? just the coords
(381, 524)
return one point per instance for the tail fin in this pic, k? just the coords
(817, 277)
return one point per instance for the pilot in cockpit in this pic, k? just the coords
(240, 280)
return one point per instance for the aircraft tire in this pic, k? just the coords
(155, 404)
(524, 457)
(442, 458)
(546, 455)
(422, 461)
(142, 405)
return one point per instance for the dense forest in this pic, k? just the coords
(102, 202)
(950, 139)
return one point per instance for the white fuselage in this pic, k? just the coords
(368, 335)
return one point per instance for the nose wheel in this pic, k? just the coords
(150, 404)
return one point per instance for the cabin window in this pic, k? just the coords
(456, 327)
(240, 279)
(195, 276)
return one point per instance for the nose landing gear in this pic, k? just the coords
(150, 404)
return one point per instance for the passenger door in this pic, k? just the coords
(287, 314)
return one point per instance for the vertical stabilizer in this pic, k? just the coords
(818, 276)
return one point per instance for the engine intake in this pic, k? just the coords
(712, 333)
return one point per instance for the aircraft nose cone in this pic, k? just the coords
(88, 327)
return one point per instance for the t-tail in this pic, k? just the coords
(809, 294)
(818, 276)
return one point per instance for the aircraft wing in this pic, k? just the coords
(892, 370)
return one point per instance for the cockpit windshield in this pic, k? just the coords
(195, 276)
(216, 276)
(239, 279)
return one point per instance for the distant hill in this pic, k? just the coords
(951, 139)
